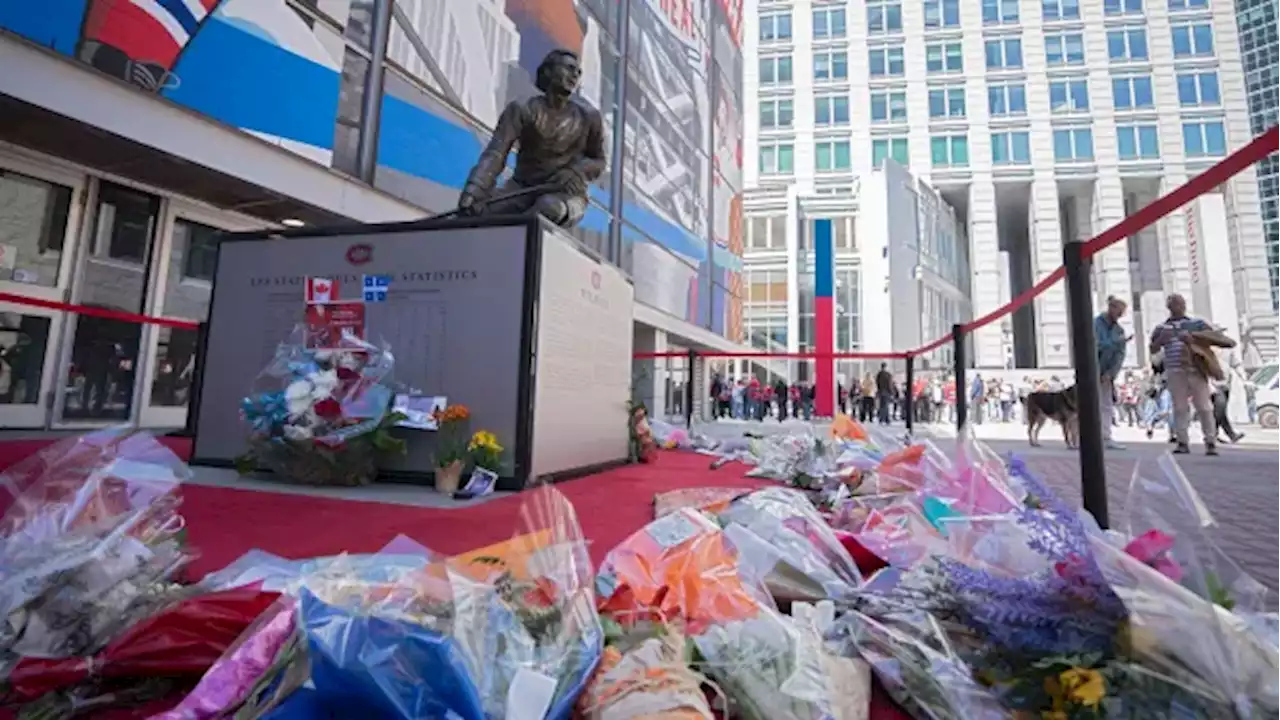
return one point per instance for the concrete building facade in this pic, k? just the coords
(1039, 121)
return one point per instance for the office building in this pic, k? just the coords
(1039, 121)
(1260, 54)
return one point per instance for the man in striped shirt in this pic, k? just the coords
(1187, 386)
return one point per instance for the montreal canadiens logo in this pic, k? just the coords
(359, 254)
(595, 280)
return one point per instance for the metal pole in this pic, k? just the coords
(619, 145)
(1084, 355)
(371, 106)
(688, 390)
(962, 387)
(908, 393)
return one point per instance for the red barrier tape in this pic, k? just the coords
(97, 312)
(1236, 162)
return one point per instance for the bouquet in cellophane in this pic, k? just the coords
(687, 574)
(322, 416)
(89, 538)
(464, 637)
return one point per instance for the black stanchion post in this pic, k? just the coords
(908, 393)
(962, 387)
(1084, 355)
(688, 390)
(194, 391)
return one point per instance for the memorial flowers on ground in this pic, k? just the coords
(451, 453)
(322, 416)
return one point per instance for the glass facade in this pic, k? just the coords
(1260, 55)
(294, 72)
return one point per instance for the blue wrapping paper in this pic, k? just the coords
(373, 667)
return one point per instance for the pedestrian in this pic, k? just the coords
(884, 392)
(868, 399)
(1188, 387)
(1111, 341)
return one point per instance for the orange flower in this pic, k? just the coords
(452, 413)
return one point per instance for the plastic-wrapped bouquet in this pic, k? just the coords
(463, 637)
(322, 416)
(89, 537)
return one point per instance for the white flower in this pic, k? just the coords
(323, 356)
(298, 396)
(323, 384)
(350, 361)
(297, 432)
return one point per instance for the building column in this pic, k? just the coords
(824, 318)
(1053, 350)
(1113, 271)
(984, 267)
(1175, 258)
(649, 377)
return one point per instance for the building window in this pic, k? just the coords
(1204, 139)
(777, 159)
(1004, 54)
(1132, 93)
(1177, 5)
(1061, 10)
(884, 16)
(1138, 142)
(946, 102)
(775, 70)
(886, 62)
(832, 156)
(888, 107)
(1073, 145)
(943, 58)
(885, 148)
(941, 13)
(775, 27)
(1193, 40)
(1127, 45)
(949, 151)
(831, 110)
(830, 66)
(1065, 49)
(1069, 95)
(828, 23)
(1122, 7)
(847, 305)
(1011, 148)
(776, 113)
(1006, 100)
(33, 225)
(767, 233)
(999, 12)
(1196, 89)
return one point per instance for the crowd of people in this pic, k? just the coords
(1158, 398)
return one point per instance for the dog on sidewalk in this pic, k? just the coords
(1060, 407)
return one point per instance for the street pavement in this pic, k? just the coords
(1240, 488)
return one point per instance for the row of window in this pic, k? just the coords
(1065, 50)
(1200, 139)
(1130, 92)
(885, 16)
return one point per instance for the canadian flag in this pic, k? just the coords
(321, 290)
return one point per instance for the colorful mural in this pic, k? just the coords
(292, 72)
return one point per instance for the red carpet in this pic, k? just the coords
(224, 523)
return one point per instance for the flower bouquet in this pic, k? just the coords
(452, 450)
(89, 537)
(459, 637)
(321, 417)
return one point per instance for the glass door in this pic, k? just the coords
(184, 285)
(39, 214)
(100, 363)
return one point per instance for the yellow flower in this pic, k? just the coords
(484, 440)
(1083, 686)
(1053, 715)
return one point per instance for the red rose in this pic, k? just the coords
(347, 374)
(328, 409)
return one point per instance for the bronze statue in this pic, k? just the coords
(561, 151)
